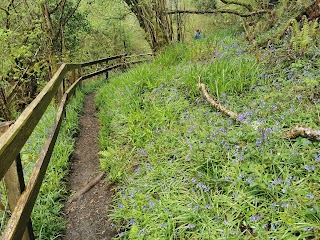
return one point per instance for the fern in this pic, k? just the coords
(303, 34)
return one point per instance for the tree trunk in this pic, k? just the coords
(154, 21)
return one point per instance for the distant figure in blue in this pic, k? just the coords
(197, 35)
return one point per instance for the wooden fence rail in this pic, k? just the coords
(12, 141)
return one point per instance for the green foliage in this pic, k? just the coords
(205, 4)
(185, 170)
(303, 37)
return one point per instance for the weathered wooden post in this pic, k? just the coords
(61, 87)
(124, 66)
(14, 182)
(107, 75)
(79, 73)
(73, 76)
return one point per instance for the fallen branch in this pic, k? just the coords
(298, 131)
(217, 105)
(302, 131)
(230, 11)
(86, 188)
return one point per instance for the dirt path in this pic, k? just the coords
(86, 217)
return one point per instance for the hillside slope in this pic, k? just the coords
(186, 171)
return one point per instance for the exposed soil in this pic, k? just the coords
(86, 217)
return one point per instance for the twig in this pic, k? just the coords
(86, 188)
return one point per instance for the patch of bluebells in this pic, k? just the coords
(274, 183)
(245, 116)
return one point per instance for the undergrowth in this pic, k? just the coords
(186, 171)
(47, 216)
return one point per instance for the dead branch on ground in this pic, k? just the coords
(303, 131)
(217, 105)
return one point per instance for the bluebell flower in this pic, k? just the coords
(132, 222)
(143, 152)
(259, 141)
(310, 168)
(310, 195)
(190, 226)
(250, 180)
(255, 218)
(308, 229)
(277, 182)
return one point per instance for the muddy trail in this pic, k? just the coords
(86, 216)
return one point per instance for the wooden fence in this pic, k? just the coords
(21, 197)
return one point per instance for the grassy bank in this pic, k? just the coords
(186, 171)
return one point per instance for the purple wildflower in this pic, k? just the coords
(310, 195)
(132, 222)
(255, 218)
(310, 168)
(190, 226)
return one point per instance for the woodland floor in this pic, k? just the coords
(87, 217)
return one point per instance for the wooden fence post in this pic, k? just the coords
(61, 87)
(14, 182)
(107, 75)
(124, 65)
(73, 76)
(79, 73)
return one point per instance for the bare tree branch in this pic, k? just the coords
(229, 11)
(56, 7)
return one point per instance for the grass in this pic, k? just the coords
(185, 171)
(47, 216)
